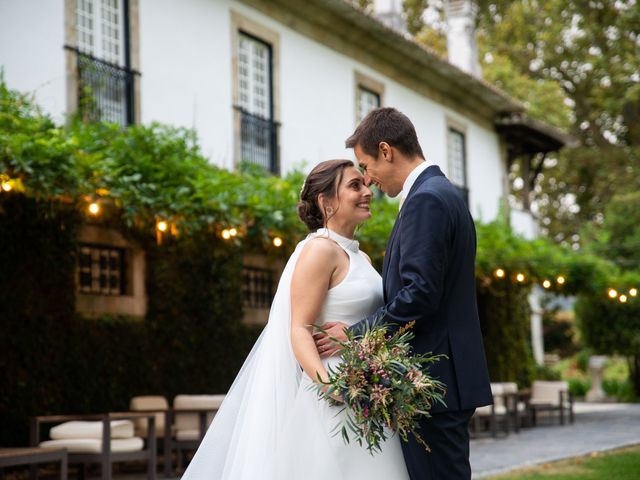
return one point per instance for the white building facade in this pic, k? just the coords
(270, 82)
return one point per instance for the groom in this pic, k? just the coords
(428, 276)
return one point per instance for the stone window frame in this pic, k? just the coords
(71, 41)
(133, 301)
(462, 128)
(369, 83)
(241, 23)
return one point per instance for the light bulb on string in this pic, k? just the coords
(162, 226)
(6, 186)
(546, 284)
(226, 234)
(623, 298)
(499, 273)
(277, 242)
(233, 232)
(633, 292)
(560, 279)
(520, 277)
(612, 293)
(94, 208)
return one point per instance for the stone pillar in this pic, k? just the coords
(537, 338)
(596, 368)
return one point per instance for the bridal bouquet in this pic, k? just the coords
(383, 384)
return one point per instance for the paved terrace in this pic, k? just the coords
(597, 427)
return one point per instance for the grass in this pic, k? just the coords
(623, 464)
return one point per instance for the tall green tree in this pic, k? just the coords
(590, 51)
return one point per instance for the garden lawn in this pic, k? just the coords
(623, 464)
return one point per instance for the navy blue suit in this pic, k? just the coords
(429, 276)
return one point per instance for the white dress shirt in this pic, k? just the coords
(411, 179)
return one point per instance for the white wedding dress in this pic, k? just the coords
(272, 425)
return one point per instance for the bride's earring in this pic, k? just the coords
(329, 211)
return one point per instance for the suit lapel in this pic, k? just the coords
(431, 171)
(387, 253)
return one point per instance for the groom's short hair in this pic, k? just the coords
(386, 125)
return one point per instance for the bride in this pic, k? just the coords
(272, 425)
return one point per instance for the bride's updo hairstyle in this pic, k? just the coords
(323, 179)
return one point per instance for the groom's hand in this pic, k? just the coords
(325, 345)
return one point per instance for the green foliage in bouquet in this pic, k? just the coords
(384, 386)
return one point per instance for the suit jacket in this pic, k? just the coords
(429, 276)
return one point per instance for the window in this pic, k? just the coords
(456, 153)
(367, 101)
(257, 287)
(101, 270)
(105, 79)
(369, 95)
(258, 131)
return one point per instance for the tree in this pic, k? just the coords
(574, 65)
(618, 238)
(589, 50)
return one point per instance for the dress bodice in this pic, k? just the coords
(359, 294)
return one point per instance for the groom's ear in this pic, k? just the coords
(385, 152)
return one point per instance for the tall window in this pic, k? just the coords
(105, 78)
(457, 158)
(367, 101)
(258, 131)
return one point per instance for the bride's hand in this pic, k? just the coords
(334, 396)
(324, 340)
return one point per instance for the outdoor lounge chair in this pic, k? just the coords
(494, 415)
(105, 439)
(516, 408)
(160, 406)
(191, 415)
(553, 396)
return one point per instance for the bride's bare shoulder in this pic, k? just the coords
(321, 248)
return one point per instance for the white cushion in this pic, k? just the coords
(149, 403)
(486, 410)
(190, 421)
(212, 402)
(547, 393)
(93, 445)
(187, 434)
(82, 429)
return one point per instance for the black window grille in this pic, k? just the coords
(101, 270)
(259, 141)
(105, 91)
(257, 287)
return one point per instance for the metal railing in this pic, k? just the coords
(259, 141)
(105, 90)
(257, 287)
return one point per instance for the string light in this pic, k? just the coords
(560, 280)
(499, 273)
(6, 186)
(226, 234)
(233, 232)
(277, 242)
(520, 277)
(162, 226)
(612, 293)
(94, 208)
(633, 292)
(623, 299)
(546, 284)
